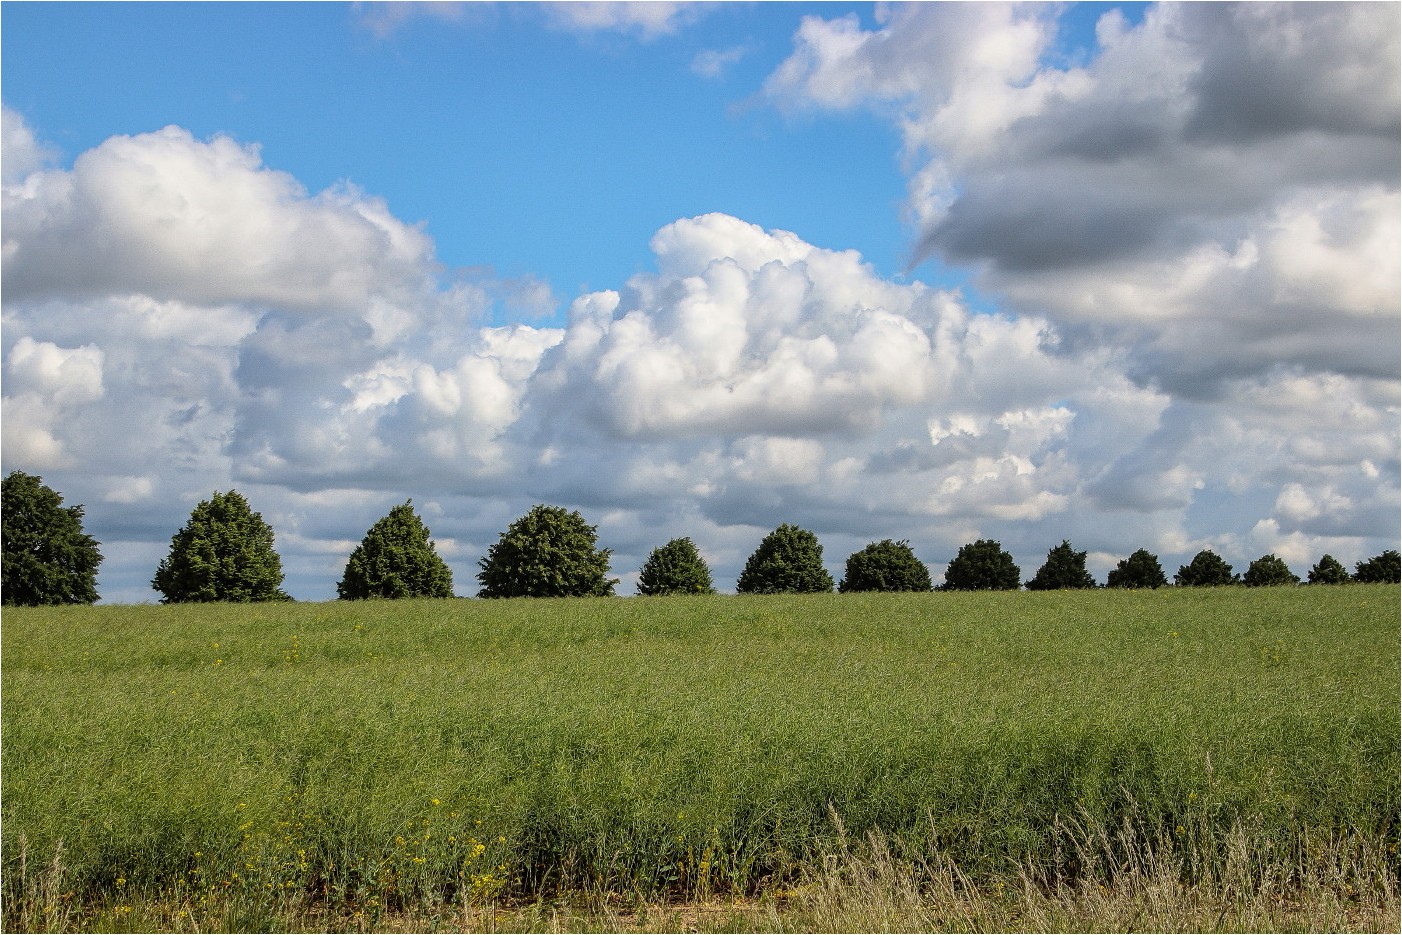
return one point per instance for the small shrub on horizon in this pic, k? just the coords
(1328, 571)
(788, 561)
(885, 566)
(223, 553)
(1385, 568)
(396, 559)
(982, 566)
(1206, 570)
(549, 552)
(675, 568)
(1268, 571)
(1140, 570)
(1065, 568)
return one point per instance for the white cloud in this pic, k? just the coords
(751, 379)
(68, 376)
(648, 19)
(169, 217)
(21, 153)
(713, 63)
(1216, 189)
(386, 18)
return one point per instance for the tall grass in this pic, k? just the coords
(416, 757)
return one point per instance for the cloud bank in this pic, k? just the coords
(1193, 234)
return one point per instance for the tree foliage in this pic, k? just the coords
(396, 559)
(1140, 570)
(1267, 571)
(224, 553)
(1065, 568)
(675, 568)
(47, 558)
(1385, 568)
(1328, 570)
(982, 566)
(549, 552)
(788, 561)
(1206, 570)
(885, 566)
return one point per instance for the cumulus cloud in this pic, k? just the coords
(159, 344)
(1215, 188)
(170, 217)
(22, 153)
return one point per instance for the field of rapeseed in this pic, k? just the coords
(336, 765)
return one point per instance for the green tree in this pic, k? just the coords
(1328, 571)
(1267, 571)
(982, 566)
(1385, 568)
(549, 552)
(675, 568)
(47, 558)
(1064, 569)
(788, 561)
(396, 559)
(885, 566)
(224, 553)
(1140, 570)
(1206, 570)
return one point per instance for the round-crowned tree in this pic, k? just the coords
(1328, 570)
(1385, 568)
(1140, 570)
(982, 566)
(224, 553)
(1267, 571)
(1065, 568)
(396, 559)
(1206, 570)
(885, 566)
(788, 561)
(48, 559)
(549, 552)
(675, 568)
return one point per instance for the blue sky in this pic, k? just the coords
(1123, 273)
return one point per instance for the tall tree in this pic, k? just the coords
(788, 561)
(982, 566)
(1065, 568)
(885, 566)
(1206, 570)
(1140, 570)
(48, 559)
(675, 568)
(396, 559)
(223, 553)
(1328, 570)
(549, 552)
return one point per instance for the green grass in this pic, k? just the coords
(393, 757)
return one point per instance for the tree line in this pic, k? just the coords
(225, 553)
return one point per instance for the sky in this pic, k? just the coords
(1122, 274)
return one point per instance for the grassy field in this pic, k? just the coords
(996, 758)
